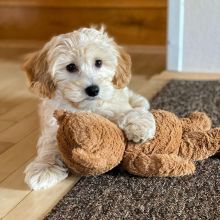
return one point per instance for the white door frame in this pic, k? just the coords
(175, 34)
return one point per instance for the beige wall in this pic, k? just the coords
(197, 35)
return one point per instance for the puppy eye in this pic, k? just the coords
(71, 68)
(98, 63)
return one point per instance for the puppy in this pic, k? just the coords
(84, 70)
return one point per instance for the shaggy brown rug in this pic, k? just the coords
(118, 195)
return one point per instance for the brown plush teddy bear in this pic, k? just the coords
(90, 144)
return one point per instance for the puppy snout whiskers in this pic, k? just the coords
(92, 90)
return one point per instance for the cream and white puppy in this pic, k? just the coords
(84, 70)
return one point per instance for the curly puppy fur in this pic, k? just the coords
(63, 88)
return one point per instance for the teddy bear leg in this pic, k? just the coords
(157, 165)
(199, 145)
(196, 121)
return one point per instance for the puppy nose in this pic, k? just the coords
(92, 90)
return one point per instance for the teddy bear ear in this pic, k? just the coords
(123, 70)
(37, 70)
(59, 115)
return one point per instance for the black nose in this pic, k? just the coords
(92, 90)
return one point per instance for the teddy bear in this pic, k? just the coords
(92, 145)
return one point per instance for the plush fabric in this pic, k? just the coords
(92, 145)
(89, 143)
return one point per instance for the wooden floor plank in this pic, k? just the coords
(38, 203)
(147, 87)
(20, 92)
(13, 190)
(9, 103)
(17, 155)
(10, 74)
(5, 124)
(8, 82)
(20, 129)
(4, 146)
(14, 89)
(19, 111)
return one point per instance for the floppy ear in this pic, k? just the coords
(37, 70)
(123, 71)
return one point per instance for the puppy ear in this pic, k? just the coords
(123, 70)
(37, 70)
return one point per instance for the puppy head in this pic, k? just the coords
(83, 66)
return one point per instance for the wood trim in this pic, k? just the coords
(34, 45)
(146, 49)
(21, 44)
(129, 21)
(128, 26)
(169, 75)
(86, 3)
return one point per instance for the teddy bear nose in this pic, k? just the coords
(92, 90)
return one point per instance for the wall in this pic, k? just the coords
(131, 22)
(197, 35)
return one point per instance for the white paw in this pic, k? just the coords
(138, 133)
(138, 125)
(41, 176)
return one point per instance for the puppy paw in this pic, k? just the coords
(41, 176)
(138, 125)
(139, 134)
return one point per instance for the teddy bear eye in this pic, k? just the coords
(71, 67)
(98, 63)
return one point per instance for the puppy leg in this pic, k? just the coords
(137, 101)
(47, 169)
(138, 124)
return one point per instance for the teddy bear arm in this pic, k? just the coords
(196, 121)
(86, 163)
(199, 145)
(157, 165)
